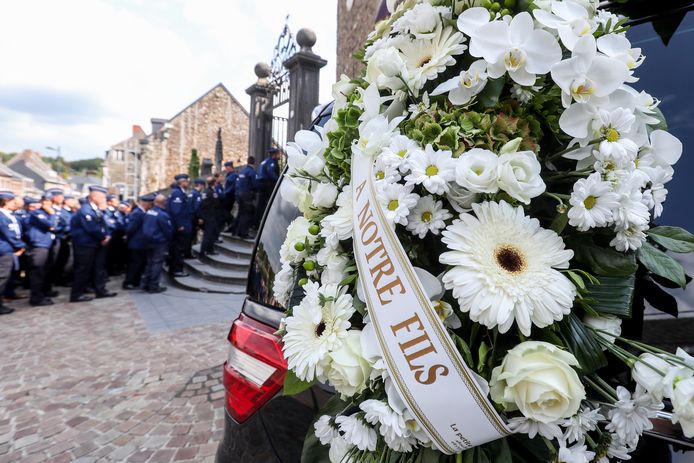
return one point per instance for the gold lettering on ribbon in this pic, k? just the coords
(424, 346)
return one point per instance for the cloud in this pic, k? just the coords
(86, 70)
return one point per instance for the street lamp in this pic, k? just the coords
(56, 149)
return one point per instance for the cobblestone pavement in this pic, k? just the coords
(91, 382)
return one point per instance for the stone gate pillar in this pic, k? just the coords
(304, 79)
(260, 118)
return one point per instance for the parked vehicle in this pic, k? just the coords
(262, 425)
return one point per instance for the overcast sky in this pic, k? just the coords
(80, 73)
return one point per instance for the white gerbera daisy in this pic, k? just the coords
(357, 432)
(397, 201)
(427, 216)
(431, 169)
(592, 203)
(399, 150)
(504, 268)
(427, 58)
(315, 329)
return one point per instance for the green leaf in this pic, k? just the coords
(559, 222)
(662, 123)
(489, 97)
(482, 356)
(661, 264)
(602, 261)
(613, 295)
(581, 343)
(293, 385)
(462, 345)
(313, 451)
(673, 239)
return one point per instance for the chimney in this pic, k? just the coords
(138, 132)
(157, 124)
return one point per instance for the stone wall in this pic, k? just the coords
(355, 20)
(167, 152)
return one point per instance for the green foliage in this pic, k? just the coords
(656, 261)
(601, 260)
(612, 295)
(194, 164)
(673, 239)
(581, 343)
(293, 385)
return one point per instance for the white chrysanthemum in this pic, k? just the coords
(397, 201)
(631, 212)
(426, 59)
(578, 453)
(581, 423)
(432, 169)
(399, 150)
(338, 226)
(532, 428)
(314, 330)
(385, 170)
(422, 21)
(326, 432)
(592, 202)
(357, 432)
(630, 238)
(504, 268)
(283, 284)
(391, 425)
(614, 126)
(339, 448)
(427, 216)
(631, 416)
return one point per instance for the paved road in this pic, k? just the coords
(134, 378)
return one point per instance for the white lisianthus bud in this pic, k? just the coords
(324, 195)
(537, 378)
(519, 175)
(314, 165)
(384, 67)
(349, 370)
(649, 379)
(477, 171)
(683, 403)
(609, 323)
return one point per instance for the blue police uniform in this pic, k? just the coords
(137, 246)
(268, 174)
(89, 230)
(116, 252)
(158, 230)
(42, 227)
(180, 211)
(246, 186)
(61, 245)
(10, 242)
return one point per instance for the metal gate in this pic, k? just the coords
(279, 85)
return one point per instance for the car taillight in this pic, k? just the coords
(255, 369)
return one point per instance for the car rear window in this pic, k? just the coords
(266, 259)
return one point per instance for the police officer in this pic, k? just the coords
(115, 220)
(137, 244)
(158, 230)
(210, 209)
(90, 236)
(180, 212)
(43, 224)
(16, 205)
(195, 198)
(11, 244)
(245, 192)
(229, 194)
(61, 245)
(268, 174)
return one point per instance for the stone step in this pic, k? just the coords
(215, 274)
(223, 261)
(248, 243)
(234, 249)
(197, 283)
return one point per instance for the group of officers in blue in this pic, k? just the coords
(101, 236)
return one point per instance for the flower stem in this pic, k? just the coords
(600, 390)
(591, 442)
(573, 148)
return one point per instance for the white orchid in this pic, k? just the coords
(517, 48)
(588, 74)
(462, 88)
(570, 19)
(618, 47)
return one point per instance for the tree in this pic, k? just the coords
(194, 165)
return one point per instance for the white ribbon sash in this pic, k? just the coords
(431, 376)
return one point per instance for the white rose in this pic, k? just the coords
(519, 175)
(537, 379)
(460, 198)
(683, 403)
(349, 369)
(477, 171)
(324, 195)
(384, 67)
(648, 378)
(609, 323)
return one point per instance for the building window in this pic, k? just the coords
(120, 155)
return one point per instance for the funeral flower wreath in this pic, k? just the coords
(520, 172)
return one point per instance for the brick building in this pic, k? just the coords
(146, 163)
(355, 20)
